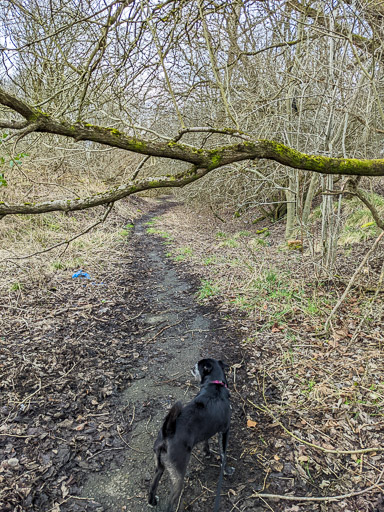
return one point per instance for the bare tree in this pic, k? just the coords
(202, 88)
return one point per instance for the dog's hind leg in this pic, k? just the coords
(174, 499)
(223, 444)
(177, 472)
(152, 498)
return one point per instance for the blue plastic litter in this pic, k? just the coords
(81, 274)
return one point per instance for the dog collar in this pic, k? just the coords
(219, 382)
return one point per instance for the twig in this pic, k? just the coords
(32, 394)
(207, 129)
(133, 417)
(132, 318)
(160, 382)
(216, 214)
(70, 497)
(325, 450)
(162, 330)
(266, 504)
(45, 386)
(137, 170)
(16, 435)
(106, 450)
(322, 498)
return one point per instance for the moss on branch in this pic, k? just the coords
(207, 159)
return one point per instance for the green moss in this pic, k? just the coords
(104, 129)
(183, 147)
(138, 145)
(215, 156)
(38, 114)
(41, 113)
(322, 164)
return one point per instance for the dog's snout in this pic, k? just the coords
(195, 372)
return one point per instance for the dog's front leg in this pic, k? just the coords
(223, 444)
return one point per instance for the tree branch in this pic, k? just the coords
(13, 125)
(17, 105)
(363, 198)
(208, 159)
(115, 194)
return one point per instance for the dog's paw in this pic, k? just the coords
(153, 501)
(229, 470)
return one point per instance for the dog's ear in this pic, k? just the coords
(223, 365)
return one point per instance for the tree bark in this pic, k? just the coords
(309, 198)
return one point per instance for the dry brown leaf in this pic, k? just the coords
(80, 427)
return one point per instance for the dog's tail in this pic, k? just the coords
(169, 425)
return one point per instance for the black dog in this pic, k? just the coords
(207, 414)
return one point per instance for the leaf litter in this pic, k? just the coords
(69, 352)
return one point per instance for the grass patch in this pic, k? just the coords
(159, 232)
(278, 299)
(68, 264)
(210, 260)
(359, 224)
(151, 222)
(183, 253)
(25, 235)
(126, 231)
(242, 234)
(207, 289)
(257, 243)
(230, 242)
(15, 287)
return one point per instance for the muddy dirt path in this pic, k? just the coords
(173, 332)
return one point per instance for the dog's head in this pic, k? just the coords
(209, 368)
